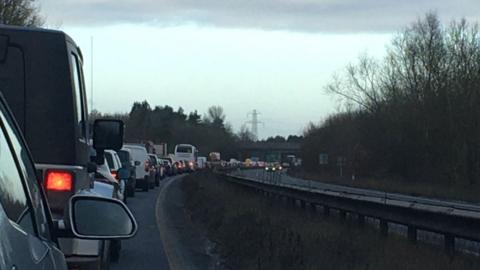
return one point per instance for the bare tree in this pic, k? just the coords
(215, 116)
(416, 111)
(245, 135)
(359, 84)
(20, 12)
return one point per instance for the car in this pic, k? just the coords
(190, 166)
(114, 165)
(48, 99)
(29, 232)
(167, 165)
(157, 167)
(273, 167)
(129, 164)
(180, 166)
(107, 184)
(173, 164)
(145, 177)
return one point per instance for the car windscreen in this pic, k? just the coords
(153, 160)
(184, 149)
(109, 158)
(123, 155)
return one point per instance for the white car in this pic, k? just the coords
(114, 164)
(105, 183)
(145, 178)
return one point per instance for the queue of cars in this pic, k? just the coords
(62, 180)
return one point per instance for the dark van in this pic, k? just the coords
(41, 78)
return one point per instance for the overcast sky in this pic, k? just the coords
(271, 55)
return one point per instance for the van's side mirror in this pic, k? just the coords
(123, 173)
(137, 163)
(95, 217)
(108, 134)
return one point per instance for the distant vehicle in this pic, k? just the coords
(158, 167)
(160, 149)
(29, 233)
(181, 166)
(145, 177)
(273, 167)
(167, 165)
(293, 161)
(214, 157)
(130, 165)
(234, 163)
(191, 166)
(186, 152)
(114, 164)
(201, 162)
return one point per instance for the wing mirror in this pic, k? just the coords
(95, 217)
(108, 134)
(137, 163)
(123, 173)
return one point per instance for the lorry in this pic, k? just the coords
(214, 157)
(160, 149)
(42, 81)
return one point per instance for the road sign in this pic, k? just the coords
(323, 159)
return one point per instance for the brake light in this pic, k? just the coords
(147, 165)
(114, 174)
(59, 181)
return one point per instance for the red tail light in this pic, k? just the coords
(114, 174)
(59, 180)
(147, 165)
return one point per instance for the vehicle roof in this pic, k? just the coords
(184, 144)
(37, 91)
(132, 146)
(36, 30)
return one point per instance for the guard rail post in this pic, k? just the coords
(412, 234)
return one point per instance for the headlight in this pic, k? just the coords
(273, 169)
(280, 168)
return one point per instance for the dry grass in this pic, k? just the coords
(254, 232)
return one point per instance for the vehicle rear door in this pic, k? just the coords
(24, 223)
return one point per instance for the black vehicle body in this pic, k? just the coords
(42, 82)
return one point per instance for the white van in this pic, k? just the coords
(201, 162)
(145, 178)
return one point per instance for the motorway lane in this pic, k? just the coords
(286, 179)
(145, 250)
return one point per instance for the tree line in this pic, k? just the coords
(414, 114)
(163, 124)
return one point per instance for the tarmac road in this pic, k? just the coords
(145, 250)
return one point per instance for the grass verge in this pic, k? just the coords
(254, 232)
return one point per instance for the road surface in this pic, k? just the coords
(145, 250)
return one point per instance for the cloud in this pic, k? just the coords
(291, 15)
